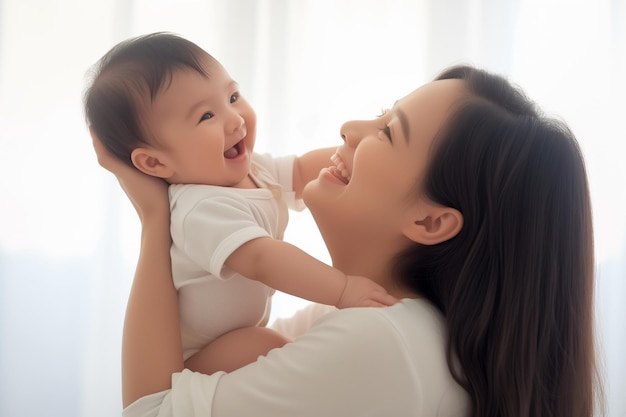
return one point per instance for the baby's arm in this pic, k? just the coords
(282, 266)
(286, 268)
(307, 167)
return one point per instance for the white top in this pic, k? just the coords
(208, 223)
(362, 362)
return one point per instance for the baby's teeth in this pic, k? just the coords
(344, 172)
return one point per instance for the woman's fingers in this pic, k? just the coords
(147, 194)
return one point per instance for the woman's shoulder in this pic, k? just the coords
(408, 317)
(405, 343)
(412, 331)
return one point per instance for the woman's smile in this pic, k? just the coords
(340, 169)
(333, 175)
(339, 172)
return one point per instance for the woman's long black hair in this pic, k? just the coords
(516, 285)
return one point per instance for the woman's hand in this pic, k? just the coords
(147, 194)
(151, 344)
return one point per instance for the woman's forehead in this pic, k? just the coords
(437, 95)
(428, 107)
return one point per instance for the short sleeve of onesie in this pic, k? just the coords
(228, 223)
(281, 169)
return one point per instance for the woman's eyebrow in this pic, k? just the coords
(404, 122)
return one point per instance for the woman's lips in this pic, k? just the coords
(337, 174)
(331, 174)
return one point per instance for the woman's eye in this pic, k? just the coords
(234, 97)
(387, 132)
(206, 116)
(383, 112)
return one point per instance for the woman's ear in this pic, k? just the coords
(430, 224)
(150, 162)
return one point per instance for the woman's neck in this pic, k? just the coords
(375, 266)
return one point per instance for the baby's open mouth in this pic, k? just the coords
(234, 151)
(340, 170)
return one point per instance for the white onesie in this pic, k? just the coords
(208, 223)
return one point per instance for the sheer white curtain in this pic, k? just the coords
(68, 239)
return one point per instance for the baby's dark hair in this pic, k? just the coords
(127, 79)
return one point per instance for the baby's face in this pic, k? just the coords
(203, 129)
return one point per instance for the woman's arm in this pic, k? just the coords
(151, 343)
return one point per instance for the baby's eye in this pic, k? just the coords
(383, 112)
(234, 97)
(206, 116)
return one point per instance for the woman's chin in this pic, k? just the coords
(326, 182)
(315, 197)
(308, 193)
(317, 193)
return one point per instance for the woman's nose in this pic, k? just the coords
(352, 132)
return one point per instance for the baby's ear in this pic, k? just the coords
(151, 162)
(430, 224)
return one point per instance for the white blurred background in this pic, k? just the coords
(68, 237)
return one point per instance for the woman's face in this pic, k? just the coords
(383, 161)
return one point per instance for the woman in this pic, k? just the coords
(463, 201)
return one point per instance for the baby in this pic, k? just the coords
(165, 106)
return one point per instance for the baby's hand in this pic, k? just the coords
(363, 292)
